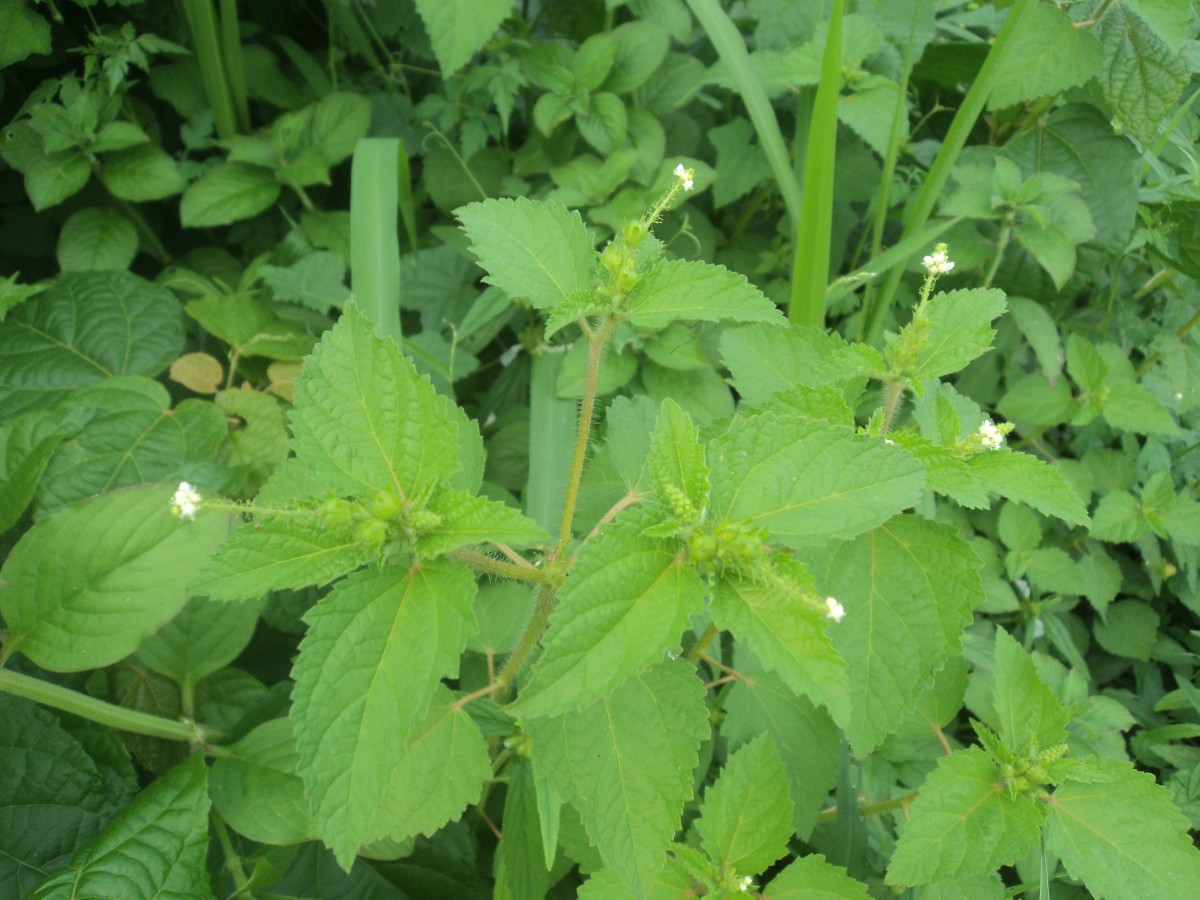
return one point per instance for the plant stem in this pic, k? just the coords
(485, 563)
(701, 646)
(1001, 245)
(233, 861)
(67, 700)
(826, 816)
(891, 404)
(586, 409)
(529, 640)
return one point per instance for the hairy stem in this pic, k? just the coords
(528, 642)
(485, 563)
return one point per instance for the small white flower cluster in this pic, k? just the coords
(834, 610)
(990, 436)
(186, 501)
(685, 177)
(938, 263)
(744, 884)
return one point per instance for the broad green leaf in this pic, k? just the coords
(530, 248)
(256, 790)
(261, 441)
(626, 763)
(279, 554)
(250, 326)
(968, 887)
(1040, 329)
(316, 281)
(964, 822)
(1029, 718)
(203, 637)
(339, 121)
(1141, 78)
(132, 439)
(521, 870)
(226, 194)
(439, 769)
(593, 60)
(1130, 407)
(945, 471)
(947, 333)
(51, 179)
(1119, 518)
(694, 291)
(1123, 836)
(1049, 54)
(811, 878)
(1026, 479)
(805, 737)
(741, 165)
(1129, 629)
(130, 560)
(780, 616)
(467, 519)
(809, 483)
(155, 848)
(375, 649)
(908, 588)
(27, 444)
(625, 604)
(605, 122)
(367, 421)
(141, 173)
(641, 46)
(25, 32)
(746, 817)
(459, 28)
(701, 393)
(677, 468)
(672, 883)
(52, 797)
(96, 238)
(631, 424)
(86, 327)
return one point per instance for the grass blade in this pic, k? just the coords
(732, 49)
(231, 55)
(552, 429)
(810, 268)
(374, 234)
(202, 24)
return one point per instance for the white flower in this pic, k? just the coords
(938, 263)
(186, 501)
(990, 436)
(834, 610)
(744, 884)
(685, 176)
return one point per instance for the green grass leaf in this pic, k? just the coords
(374, 233)
(367, 421)
(1123, 837)
(155, 848)
(908, 588)
(376, 648)
(963, 823)
(746, 817)
(806, 483)
(692, 291)
(130, 560)
(625, 603)
(530, 249)
(626, 764)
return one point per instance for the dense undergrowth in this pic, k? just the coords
(643, 448)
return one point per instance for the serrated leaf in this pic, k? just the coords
(779, 617)
(746, 817)
(278, 554)
(368, 422)
(316, 281)
(530, 248)
(458, 28)
(201, 639)
(631, 422)
(1047, 54)
(1029, 718)
(155, 848)
(677, 465)
(256, 789)
(467, 519)
(693, 291)
(521, 870)
(86, 327)
(812, 878)
(964, 822)
(945, 472)
(809, 483)
(226, 194)
(51, 179)
(1141, 78)
(96, 238)
(51, 795)
(130, 560)
(1119, 518)
(375, 649)
(908, 588)
(764, 360)
(805, 737)
(1130, 407)
(1026, 479)
(625, 603)
(949, 332)
(968, 887)
(626, 764)
(1123, 837)
(1130, 629)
